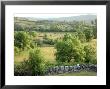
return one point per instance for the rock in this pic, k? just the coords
(56, 69)
(71, 69)
(66, 68)
(61, 69)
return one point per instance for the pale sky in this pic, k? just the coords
(51, 15)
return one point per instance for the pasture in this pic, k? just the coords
(82, 73)
(44, 43)
(48, 54)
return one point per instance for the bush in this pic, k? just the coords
(49, 41)
(90, 54)
(16, 50)
(81, 36)
(69, 48)
(36, 62)
(89, 34)
(33, 33)
(22, 69)
(33, 66)
(21, 40)
(64, 51)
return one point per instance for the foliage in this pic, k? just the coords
(22, 69)
(33, 66)
(69, 48)
(21, 40)
(32, 33)
(88, 33)
(36, 62)
(90, 54)
(16, 50)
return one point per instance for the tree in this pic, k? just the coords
(69, 48)
(81, 36)
(21, 40)
(36, 62)
(88, 33)
(90, 51)
(64, 51)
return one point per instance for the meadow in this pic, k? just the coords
(51, 43)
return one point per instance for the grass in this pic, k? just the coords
(82, 73)
(21, 57)
(52, 35)
(48, 53)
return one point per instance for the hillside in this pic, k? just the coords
(53, 24)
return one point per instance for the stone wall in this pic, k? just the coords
(70, 69)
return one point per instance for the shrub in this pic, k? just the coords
(64, 51)
(16, 50)
(90, 54)
(49, 41)
(33, 33)
(21, 40)
(22, 69)
(33, 66)
(36, 62)
(89, 34)
(69, 48)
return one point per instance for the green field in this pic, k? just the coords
(44, 43)
(47, 52)
(82, 73)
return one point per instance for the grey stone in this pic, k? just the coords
(56, 69)
(61, 69)
(66, 68)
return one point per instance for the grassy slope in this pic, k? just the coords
(47, 52)
(82, 73)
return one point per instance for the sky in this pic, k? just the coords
(49, 15)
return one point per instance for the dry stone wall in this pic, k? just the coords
(70, 69)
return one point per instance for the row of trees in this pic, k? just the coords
(54, 26)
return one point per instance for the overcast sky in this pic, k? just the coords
(49, 15)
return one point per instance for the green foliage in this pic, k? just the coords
(16, 50)
(64, 51)
(90, 54)
(81, 36)
(94, 31)
(33, 66)
(89, 34)
(22, 24)
(49, 41)
(69, 48)
(36, 62)
(32, 33)
(22, 69)
(21, 40)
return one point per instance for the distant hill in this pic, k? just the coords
(86, 18)
(52, 24)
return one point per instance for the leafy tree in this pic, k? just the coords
(89, 34)
(81, 36)
(64, 51)
(94, 31)
(36, 62)
(90, 54)
(69, 48)
(16, 50)
(32, 33)
(21, 40)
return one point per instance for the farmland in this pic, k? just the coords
(40, 44)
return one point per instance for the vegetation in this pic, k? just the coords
(44, 43)
(82, 73)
